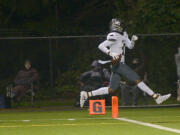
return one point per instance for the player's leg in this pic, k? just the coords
(157, 97)
(126, 71)
(114, 84)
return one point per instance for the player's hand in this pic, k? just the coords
(134, 38)
(114, 55)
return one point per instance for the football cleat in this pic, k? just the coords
(83, 98)
(162, 98)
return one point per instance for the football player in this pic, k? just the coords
(114, 46)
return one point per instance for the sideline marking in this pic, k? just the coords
(26, 120)
(71, 119)
(68, 119)
(149, 125)
(56, 125)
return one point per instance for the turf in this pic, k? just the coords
(79, 122)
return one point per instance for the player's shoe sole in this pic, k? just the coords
(83, 98)
(162, 98)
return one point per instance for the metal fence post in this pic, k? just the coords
(51, 65)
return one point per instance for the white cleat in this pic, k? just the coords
(83, 98)
(163, 98)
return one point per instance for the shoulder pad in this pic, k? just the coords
(125, 34)
(112, 36)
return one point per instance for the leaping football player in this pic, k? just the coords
(113, 46)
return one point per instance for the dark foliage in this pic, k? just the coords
(81, 17)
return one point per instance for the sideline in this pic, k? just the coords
(149, 125)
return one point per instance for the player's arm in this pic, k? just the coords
(85, 75)
(104, 46)
(129, 43)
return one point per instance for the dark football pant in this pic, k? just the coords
(124, 70)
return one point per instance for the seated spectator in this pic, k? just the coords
(24, 79)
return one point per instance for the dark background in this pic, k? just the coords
(74, 17)
(71, 57)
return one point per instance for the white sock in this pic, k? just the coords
(145, 88)
(100, 91)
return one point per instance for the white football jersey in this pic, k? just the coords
(116, 43)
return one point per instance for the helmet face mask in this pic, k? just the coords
(115, 25)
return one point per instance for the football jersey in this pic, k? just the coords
(116, 43)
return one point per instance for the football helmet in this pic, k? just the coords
(116, 25)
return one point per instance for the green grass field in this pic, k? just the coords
(79, 122)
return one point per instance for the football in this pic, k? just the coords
(116, 61)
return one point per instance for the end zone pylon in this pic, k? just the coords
(115, 107)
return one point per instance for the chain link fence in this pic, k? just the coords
(61, 60)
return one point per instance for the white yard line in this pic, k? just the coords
(63, 124)
(149, 125)
(71, 119)
(68, 119)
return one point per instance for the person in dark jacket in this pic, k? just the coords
(94, 78)
(24, 79)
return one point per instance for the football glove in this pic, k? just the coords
(134, 38)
